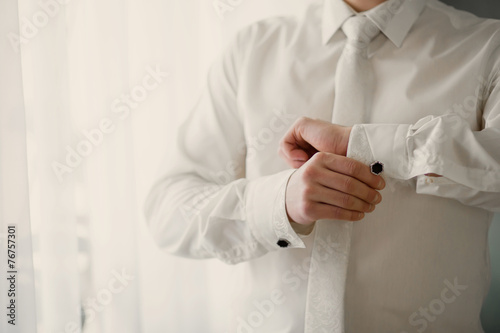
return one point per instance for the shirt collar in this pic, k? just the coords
(393, 17)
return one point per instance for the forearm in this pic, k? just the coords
(446, 188)
(239, 221)
(444, 146)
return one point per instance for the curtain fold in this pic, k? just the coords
(17, 296)
(46, 89)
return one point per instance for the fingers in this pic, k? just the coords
(294, 163)
(293, 154)
(341, 199)
(318, 211)
(349, 185)
(329, 186)
(293, 148)
(297, 154)
(352, 168)
(308, 136)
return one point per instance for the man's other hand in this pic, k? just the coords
(330, 186)
(308, 136)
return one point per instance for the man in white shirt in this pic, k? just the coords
(317, 249)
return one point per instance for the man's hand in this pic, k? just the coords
(330, 186)
(308, 136)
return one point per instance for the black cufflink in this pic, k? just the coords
(283, 243)
(377, 167)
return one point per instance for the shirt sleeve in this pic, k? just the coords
(203, 206)
(447, 145)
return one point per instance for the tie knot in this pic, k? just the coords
(360, 29)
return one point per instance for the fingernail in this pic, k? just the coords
(371, 208)
(378, 198)
(381, 184)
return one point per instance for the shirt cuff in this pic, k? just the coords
(384, 143)
(266, 212)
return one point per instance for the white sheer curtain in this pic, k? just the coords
(91, 93)
(15, 237)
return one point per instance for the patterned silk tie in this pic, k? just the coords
(354, 84)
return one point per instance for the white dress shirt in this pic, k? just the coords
(419, 262)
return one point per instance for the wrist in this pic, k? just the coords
(302, 229)
(345, 139)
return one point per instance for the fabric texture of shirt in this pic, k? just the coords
(420, 261)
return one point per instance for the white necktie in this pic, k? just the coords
(354, 87)
(354, 81)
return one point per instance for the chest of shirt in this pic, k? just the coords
(419, 79)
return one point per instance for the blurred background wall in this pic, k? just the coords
(483, 8)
